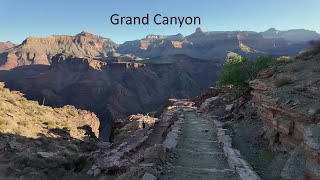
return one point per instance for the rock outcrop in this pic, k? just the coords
(287, 100)
(143, 144)
(38, 141)
(6, 45)
(36, 50)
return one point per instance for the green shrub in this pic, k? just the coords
(73, 113)
(73, 147)
(238, 71)
(51, 124)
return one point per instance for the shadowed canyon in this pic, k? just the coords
(147, 102)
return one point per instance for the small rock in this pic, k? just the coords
(313, 111)
(38, 143)
(103, 145)
(148, 176)
(96, 172)
(46, 154)
(229, 107)
(90, 172)
(147, 165)
(14, 144)
(171, 141)
(155, 154)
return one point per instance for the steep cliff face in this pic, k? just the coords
(112, 90)
(40, 50)
(287, 99)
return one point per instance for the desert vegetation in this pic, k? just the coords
(312, 52)
(238, 71)
(42, 139)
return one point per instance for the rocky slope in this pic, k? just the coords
(40, 50)
(217, 44)
(287, 99)
(111, 90)
(40, 141)
(276, 127)
(6, 45)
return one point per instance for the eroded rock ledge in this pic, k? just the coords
(287, 101)
(146, 141)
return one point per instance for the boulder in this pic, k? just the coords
(229, 107)
(148, 176)
(46, 154)
(155, 154)
(266, 73)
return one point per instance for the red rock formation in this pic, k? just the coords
(217, 45)
(6, 45)
(290, 113)
(40, 50)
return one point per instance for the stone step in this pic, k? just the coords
(202, 140)
(187, 173)
(177, 150)
(201, 160)
(198, 155)
(198, 145)
(196, 135)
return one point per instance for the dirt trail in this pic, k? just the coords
(198, 154)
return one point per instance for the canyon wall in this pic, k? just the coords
(287, 100)
(111, 90)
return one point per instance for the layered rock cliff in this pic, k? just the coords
(40, 50)
(217, 44)
(6, 45)
(287, 101)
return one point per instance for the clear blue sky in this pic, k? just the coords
(22, 18)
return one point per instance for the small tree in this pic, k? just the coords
(238, 71)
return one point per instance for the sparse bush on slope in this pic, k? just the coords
(313, 51)
(238, 71)
(35, 138)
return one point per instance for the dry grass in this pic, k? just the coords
(294, 68)
(314, 51)
(28, 118)
(32, 127)
(282, 80)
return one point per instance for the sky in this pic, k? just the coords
(23, 18)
